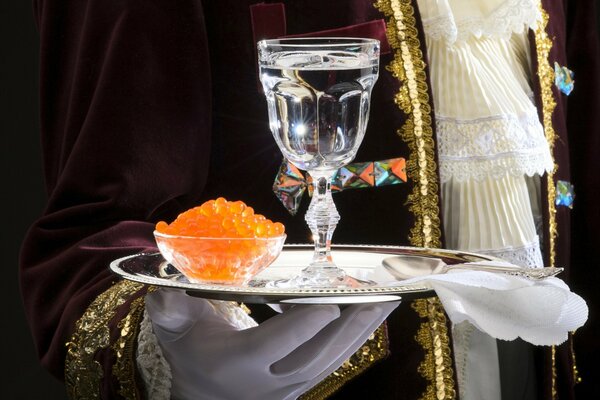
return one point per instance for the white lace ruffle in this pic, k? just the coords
(491, 147)
(512, 16)
(528, 255)
(154, 368)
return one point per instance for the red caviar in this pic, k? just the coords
(220, 241)
(221, 218)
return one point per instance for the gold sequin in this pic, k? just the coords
(433, 337)
(124, 348)
(375, 349)
(82, 373)
(545, 72)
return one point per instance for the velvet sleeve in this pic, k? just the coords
(125, 129)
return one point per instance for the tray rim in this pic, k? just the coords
(299, 295)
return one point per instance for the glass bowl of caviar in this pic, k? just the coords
(220, 242)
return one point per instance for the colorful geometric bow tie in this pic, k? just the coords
(563, 79)
(290, 183)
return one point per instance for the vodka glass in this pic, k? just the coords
(318, 93)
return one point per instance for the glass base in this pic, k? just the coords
(331, 277)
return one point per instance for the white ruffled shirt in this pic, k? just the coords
(490, 141)
(491, 147)
(456, 20)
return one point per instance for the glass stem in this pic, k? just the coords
(322, 218)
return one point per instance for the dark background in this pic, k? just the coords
(22, 196)
(22, 199)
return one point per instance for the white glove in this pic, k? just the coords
(277, 360)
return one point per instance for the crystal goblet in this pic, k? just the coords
(318, 93)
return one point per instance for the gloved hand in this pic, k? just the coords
(277, 360)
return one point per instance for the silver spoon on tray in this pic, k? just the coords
(405, 267)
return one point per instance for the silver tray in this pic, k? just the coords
(363, 262)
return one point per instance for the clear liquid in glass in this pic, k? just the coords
(319, 105)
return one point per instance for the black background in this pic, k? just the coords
(22, 197)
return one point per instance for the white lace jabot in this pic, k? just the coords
(486, 122)
(455, 20)
(489, 138)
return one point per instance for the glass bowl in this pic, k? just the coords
(215, 260)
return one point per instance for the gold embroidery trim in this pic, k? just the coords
(554, 391)
(412, 98)
(374, 349)
(543, 45)
(82, 373)
(545, 72)
(433, 337)
(576, 378)
(124, 348)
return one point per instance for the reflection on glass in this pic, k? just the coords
(318, 94)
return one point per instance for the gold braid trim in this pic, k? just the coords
(554, 391)
(374, 349)
(545, 72)
(543, 45)
(82, 373)
(433, 336)
(409, 68)
(412, 98)
(576, 378)
(124, 348)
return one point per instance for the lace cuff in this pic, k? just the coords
(154, 368)
(235, 314)
(528, 255)
(450, 22)
(491, 147)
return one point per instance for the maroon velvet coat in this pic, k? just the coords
(151, 107)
